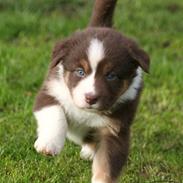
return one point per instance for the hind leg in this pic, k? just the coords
(88, 151)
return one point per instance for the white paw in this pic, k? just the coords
(48, 147)
(87, 152)
(97, 181)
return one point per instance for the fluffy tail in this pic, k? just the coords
(103, 13)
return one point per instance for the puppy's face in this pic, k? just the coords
(98, 69)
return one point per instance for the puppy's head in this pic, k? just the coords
(98, 66)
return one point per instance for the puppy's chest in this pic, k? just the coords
(81, 117)
(80, 122)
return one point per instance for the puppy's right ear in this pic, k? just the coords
(60, 51)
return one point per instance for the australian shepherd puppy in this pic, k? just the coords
(91, 93)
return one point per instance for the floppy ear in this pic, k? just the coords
(140, 57)
(60, 51)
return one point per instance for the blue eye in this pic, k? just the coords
(111, 76)
(80, 72)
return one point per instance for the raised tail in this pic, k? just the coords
(102, 15)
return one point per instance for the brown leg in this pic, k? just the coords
(110, 158)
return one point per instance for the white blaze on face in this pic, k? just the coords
(95, 54)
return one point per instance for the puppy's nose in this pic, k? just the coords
(91, 98)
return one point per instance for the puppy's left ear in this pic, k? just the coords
(139, 56)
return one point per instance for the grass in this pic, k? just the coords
(28, 31)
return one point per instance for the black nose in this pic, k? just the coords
(91, 98)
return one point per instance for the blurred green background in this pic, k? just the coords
(28, 32)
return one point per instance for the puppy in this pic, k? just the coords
(91, 93)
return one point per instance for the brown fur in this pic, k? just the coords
(103, 13)
(122, 55)
(43, 99)
(112, 146)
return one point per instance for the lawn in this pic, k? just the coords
(28, 32)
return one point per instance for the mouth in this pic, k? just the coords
(96, 108)
(91, 108)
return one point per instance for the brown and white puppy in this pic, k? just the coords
(91, 93)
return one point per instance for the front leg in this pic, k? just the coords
(110, 157)
(52, 125)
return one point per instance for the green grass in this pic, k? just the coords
(28, 31)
